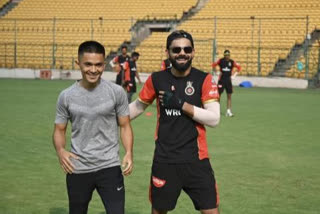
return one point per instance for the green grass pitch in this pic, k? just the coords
(266, 158)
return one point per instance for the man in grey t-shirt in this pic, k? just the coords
(95, 108)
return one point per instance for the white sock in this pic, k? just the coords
(229, 110)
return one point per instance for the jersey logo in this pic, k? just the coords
(226, 69)
(173, 112)
(189, 90)
(229, 64)
(157, 182)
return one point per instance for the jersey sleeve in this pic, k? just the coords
(115, 59)
(62, 112)
(214, 64)
(209, 90)
(237, 65)
(147, 94)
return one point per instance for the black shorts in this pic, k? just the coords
(225, 84)
(196, 179)
(108, 183)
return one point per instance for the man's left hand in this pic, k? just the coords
(170, 100)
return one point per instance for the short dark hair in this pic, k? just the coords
(124, 46)
(226, 52)
(177, 35)
(91, 47)
(135, 54)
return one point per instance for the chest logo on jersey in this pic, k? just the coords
(226, 69)
(189, 90)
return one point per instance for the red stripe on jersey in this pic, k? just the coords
(147, 94)
(209, 90)
(126, 68)
(215, 63)
(202, 142)
(237, 65)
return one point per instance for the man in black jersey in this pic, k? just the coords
(187, 100)
(227, 73)
(118, 62)
(131, 73)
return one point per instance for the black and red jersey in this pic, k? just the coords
(130, 69)
(226, 67)
(178, 138)
(121, 59)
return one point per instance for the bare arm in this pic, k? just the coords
(59, 142)
(136, 108)
(209, 115)
(126, 136)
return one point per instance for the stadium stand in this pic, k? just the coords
(243, 27)
(46, 33)
(3, 2)
(298, 70)
(253, 30)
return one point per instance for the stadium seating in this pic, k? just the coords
(3, 2)
(282, 25)
(313, 64)
(48, 30)
(46, 33)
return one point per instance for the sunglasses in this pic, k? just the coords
(177, 50)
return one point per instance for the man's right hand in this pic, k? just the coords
(64, 159)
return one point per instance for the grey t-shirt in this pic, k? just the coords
(93, 115)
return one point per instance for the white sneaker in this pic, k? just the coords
(229, 114)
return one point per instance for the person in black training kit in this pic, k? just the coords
(165, 64)
(187, 99)
(131, 72)
(118, 62)
(226, 75)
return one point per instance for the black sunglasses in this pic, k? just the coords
(177, 50)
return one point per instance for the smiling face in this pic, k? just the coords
(91, 66)
(180, 54)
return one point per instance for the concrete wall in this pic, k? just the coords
(274, 82)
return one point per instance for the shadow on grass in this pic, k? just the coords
(58, 210)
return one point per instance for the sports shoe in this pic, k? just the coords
(229, 114)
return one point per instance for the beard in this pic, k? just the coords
(180, 67)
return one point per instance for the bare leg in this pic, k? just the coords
(154, 211)
(211, 211)
(229, 101)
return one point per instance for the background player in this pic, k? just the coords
(117, 63)
(187, 100)
(226, 73)
(165, 64)
(95, 108)
(131, 73)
